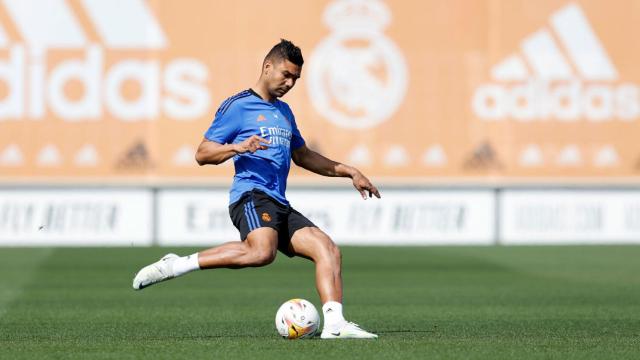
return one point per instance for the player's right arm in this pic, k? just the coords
(218, 145)
(211, 152)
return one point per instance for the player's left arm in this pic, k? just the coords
(314, 162)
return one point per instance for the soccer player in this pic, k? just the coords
(259, 132)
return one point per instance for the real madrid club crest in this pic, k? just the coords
(357, 77)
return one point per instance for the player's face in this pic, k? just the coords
(282, 77)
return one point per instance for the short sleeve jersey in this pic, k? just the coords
(244, 115)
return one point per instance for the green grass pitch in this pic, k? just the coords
(573, 302)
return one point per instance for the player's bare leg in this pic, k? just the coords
(258, 249)
(312, 243)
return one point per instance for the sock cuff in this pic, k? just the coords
(333, 305)
(193, 261)
(185, 264)
(333, 318)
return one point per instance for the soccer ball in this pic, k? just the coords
(297, 319)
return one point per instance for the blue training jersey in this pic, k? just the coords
(244, 115)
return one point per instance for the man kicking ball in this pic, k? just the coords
(260, 133)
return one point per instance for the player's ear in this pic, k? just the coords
(267, 67)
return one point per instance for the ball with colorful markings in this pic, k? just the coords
(297, 319)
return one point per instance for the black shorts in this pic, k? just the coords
(256, 209)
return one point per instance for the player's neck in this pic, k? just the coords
(263, 93)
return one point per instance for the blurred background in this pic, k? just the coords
(482, 122)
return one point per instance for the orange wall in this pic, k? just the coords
(387, 85)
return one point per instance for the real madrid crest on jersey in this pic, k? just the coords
(357, 76)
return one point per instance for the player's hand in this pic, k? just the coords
(252, 144)
(363, 185)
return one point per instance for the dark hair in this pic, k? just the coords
(285, 50)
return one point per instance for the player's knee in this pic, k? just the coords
(336, 255)
(331, 251)
(262, 257)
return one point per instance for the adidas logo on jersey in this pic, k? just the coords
(568, 82)
(91, 82)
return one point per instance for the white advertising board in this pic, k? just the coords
(200, 217)
(194, 217)
(87, 217)
(401, 217)
(569, 216)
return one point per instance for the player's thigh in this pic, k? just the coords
(263, 241)
(313, 243)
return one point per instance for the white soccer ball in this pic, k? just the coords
(297, 319)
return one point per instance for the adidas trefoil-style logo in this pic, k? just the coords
(568, 81)
(175, 88)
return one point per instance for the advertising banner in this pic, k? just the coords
(189, 217)
(76, 217)
(200, 217)
(569, 217)
(97, 91)
(194, 217)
